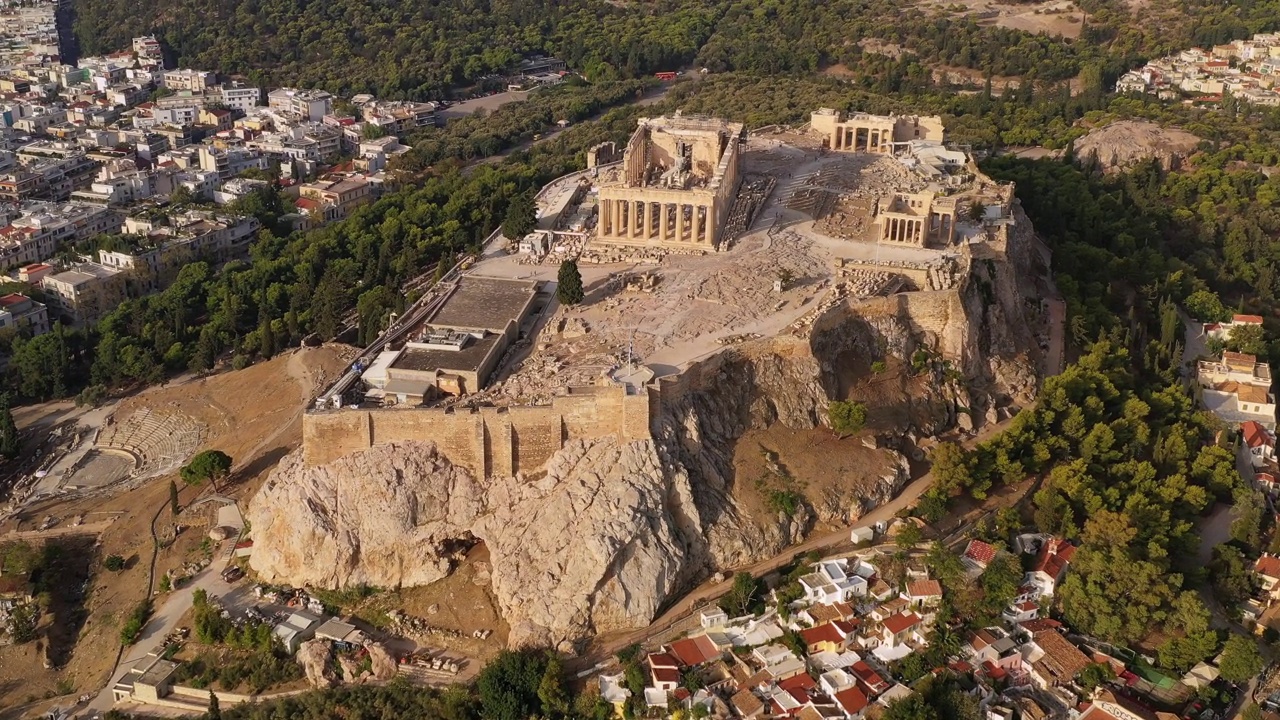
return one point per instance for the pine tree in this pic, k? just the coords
(10, 444)
(173, 497)
(569, 288)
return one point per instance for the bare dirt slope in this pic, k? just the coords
(253, 415)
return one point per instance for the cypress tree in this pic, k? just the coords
(569, 284)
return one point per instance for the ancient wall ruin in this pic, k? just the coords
(487, 441)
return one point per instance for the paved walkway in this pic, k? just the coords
(166, 617)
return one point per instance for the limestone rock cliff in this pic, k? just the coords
(596, 543)
(606, 532)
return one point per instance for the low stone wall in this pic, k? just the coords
(487, 441)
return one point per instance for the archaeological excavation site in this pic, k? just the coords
(613, 453)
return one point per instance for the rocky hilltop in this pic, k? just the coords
(607, 532)
(1122, 144)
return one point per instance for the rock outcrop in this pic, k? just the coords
(606, 532)
(596, 543)
(1123, 143)
(313, 656)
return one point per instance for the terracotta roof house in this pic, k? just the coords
(921, 593)
(1060, 661)
(979, 554)
(694, 650)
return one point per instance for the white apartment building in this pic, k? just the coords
(310, 105)
(19, 311)
(1237, 388)
(194, 80)
(147, 46)
(181, 115)
(238, 97)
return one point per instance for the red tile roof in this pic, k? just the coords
(663, 660)
(826, 632)
(852, 701)
(12, 299)
(899, 622)
(1035, 626)
(1251, 319)
(666, 675)
(694, 650)
(1061, 659)
(924, 588)
(980, 552)
(1054, 557)
(798, 682)
(868, 677)
(1268, 565)
(1028, 606)
(1254, 434)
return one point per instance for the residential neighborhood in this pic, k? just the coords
(1244, 69)
(857, 638)
(161, 161)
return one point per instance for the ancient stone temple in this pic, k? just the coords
(861, 132)
(677, 182)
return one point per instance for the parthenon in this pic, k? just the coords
(676, 185)
(861, 132)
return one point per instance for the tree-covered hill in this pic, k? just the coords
(422, 48)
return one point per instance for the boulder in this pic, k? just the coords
(313, 656)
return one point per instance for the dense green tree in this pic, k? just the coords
(508, 686)
(214, 712)
(742, 593)
(1241, 659)
(1205, 306)
(950, 468)
(1250, 339)
(569, 289)
(521, 217)
(1197, 640)
(211, 465)
(1230, 577)
(846, 416)
(551, 690)
(173, 498)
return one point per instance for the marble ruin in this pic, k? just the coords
(861, 132)
(676, 184)
(693, 237)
